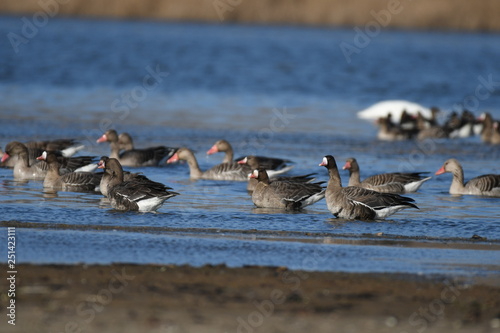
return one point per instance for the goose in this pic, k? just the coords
(487, 185)
(24, 170)
(132, 195)
(67, 147)
(103, 185)
(125, 140)
(395, 107)
(495, 136)
(461, 126)
(354, 202)
(283, 194)
(487, 130)
(223, 171)
(429, 128)
(134, 157)
(83, 163)
(396, 182)
(388, 131)
(269, 163)
(72, 181)
(254, 162)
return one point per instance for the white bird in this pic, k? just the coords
(395, 108)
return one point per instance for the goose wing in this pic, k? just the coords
(295, 191)
(375, 200)
(82, 179)
(485, 183)
(395, 177)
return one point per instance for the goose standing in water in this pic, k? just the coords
(284, 194)
(224, 171)
(134, 157)
(396, 182)
(24, 170)
(72, 181)
(268, 163)
(135, 194)
(487, 185)
(354, 202)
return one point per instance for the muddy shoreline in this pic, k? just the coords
(167, 298)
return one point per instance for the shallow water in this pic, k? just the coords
(277, 91)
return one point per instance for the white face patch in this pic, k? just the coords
(324, 162)
(44, 155)
(256, 173)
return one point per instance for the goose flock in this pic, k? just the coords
(376, 197)
(402, 120)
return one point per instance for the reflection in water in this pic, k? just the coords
(257, 210)
(50, 194)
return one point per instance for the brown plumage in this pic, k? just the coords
(51, 145)
(24, 170)
(487, 130)
(134, 157)
(72, 181)
(396, 182)
(103, 185)
(268, 163)
(224, 171)
(135, 194)
(284, 194)
(255, 163)
(388, 131)
(359, 203)
(487, 185)
(495, 135)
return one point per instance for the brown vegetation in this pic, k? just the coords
(420, 14)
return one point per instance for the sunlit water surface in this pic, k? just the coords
(276, 91)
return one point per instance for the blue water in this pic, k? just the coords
(277, 91)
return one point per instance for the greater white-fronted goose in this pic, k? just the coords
(354, 202)
(257, 162)
(72, 181)
(487, 185)
(24, 170)
(254, 163)
(71, 163)
(284, 194)
(126, 142)
(429, 128)
(67, 147)
(408, 124)
(462, 126)
(103, 185)
(135, 194)
(268, 163)
(396, 182)
(134, 157)
(389, 131)
(487, 120)
(495, 136)
(224, 171)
